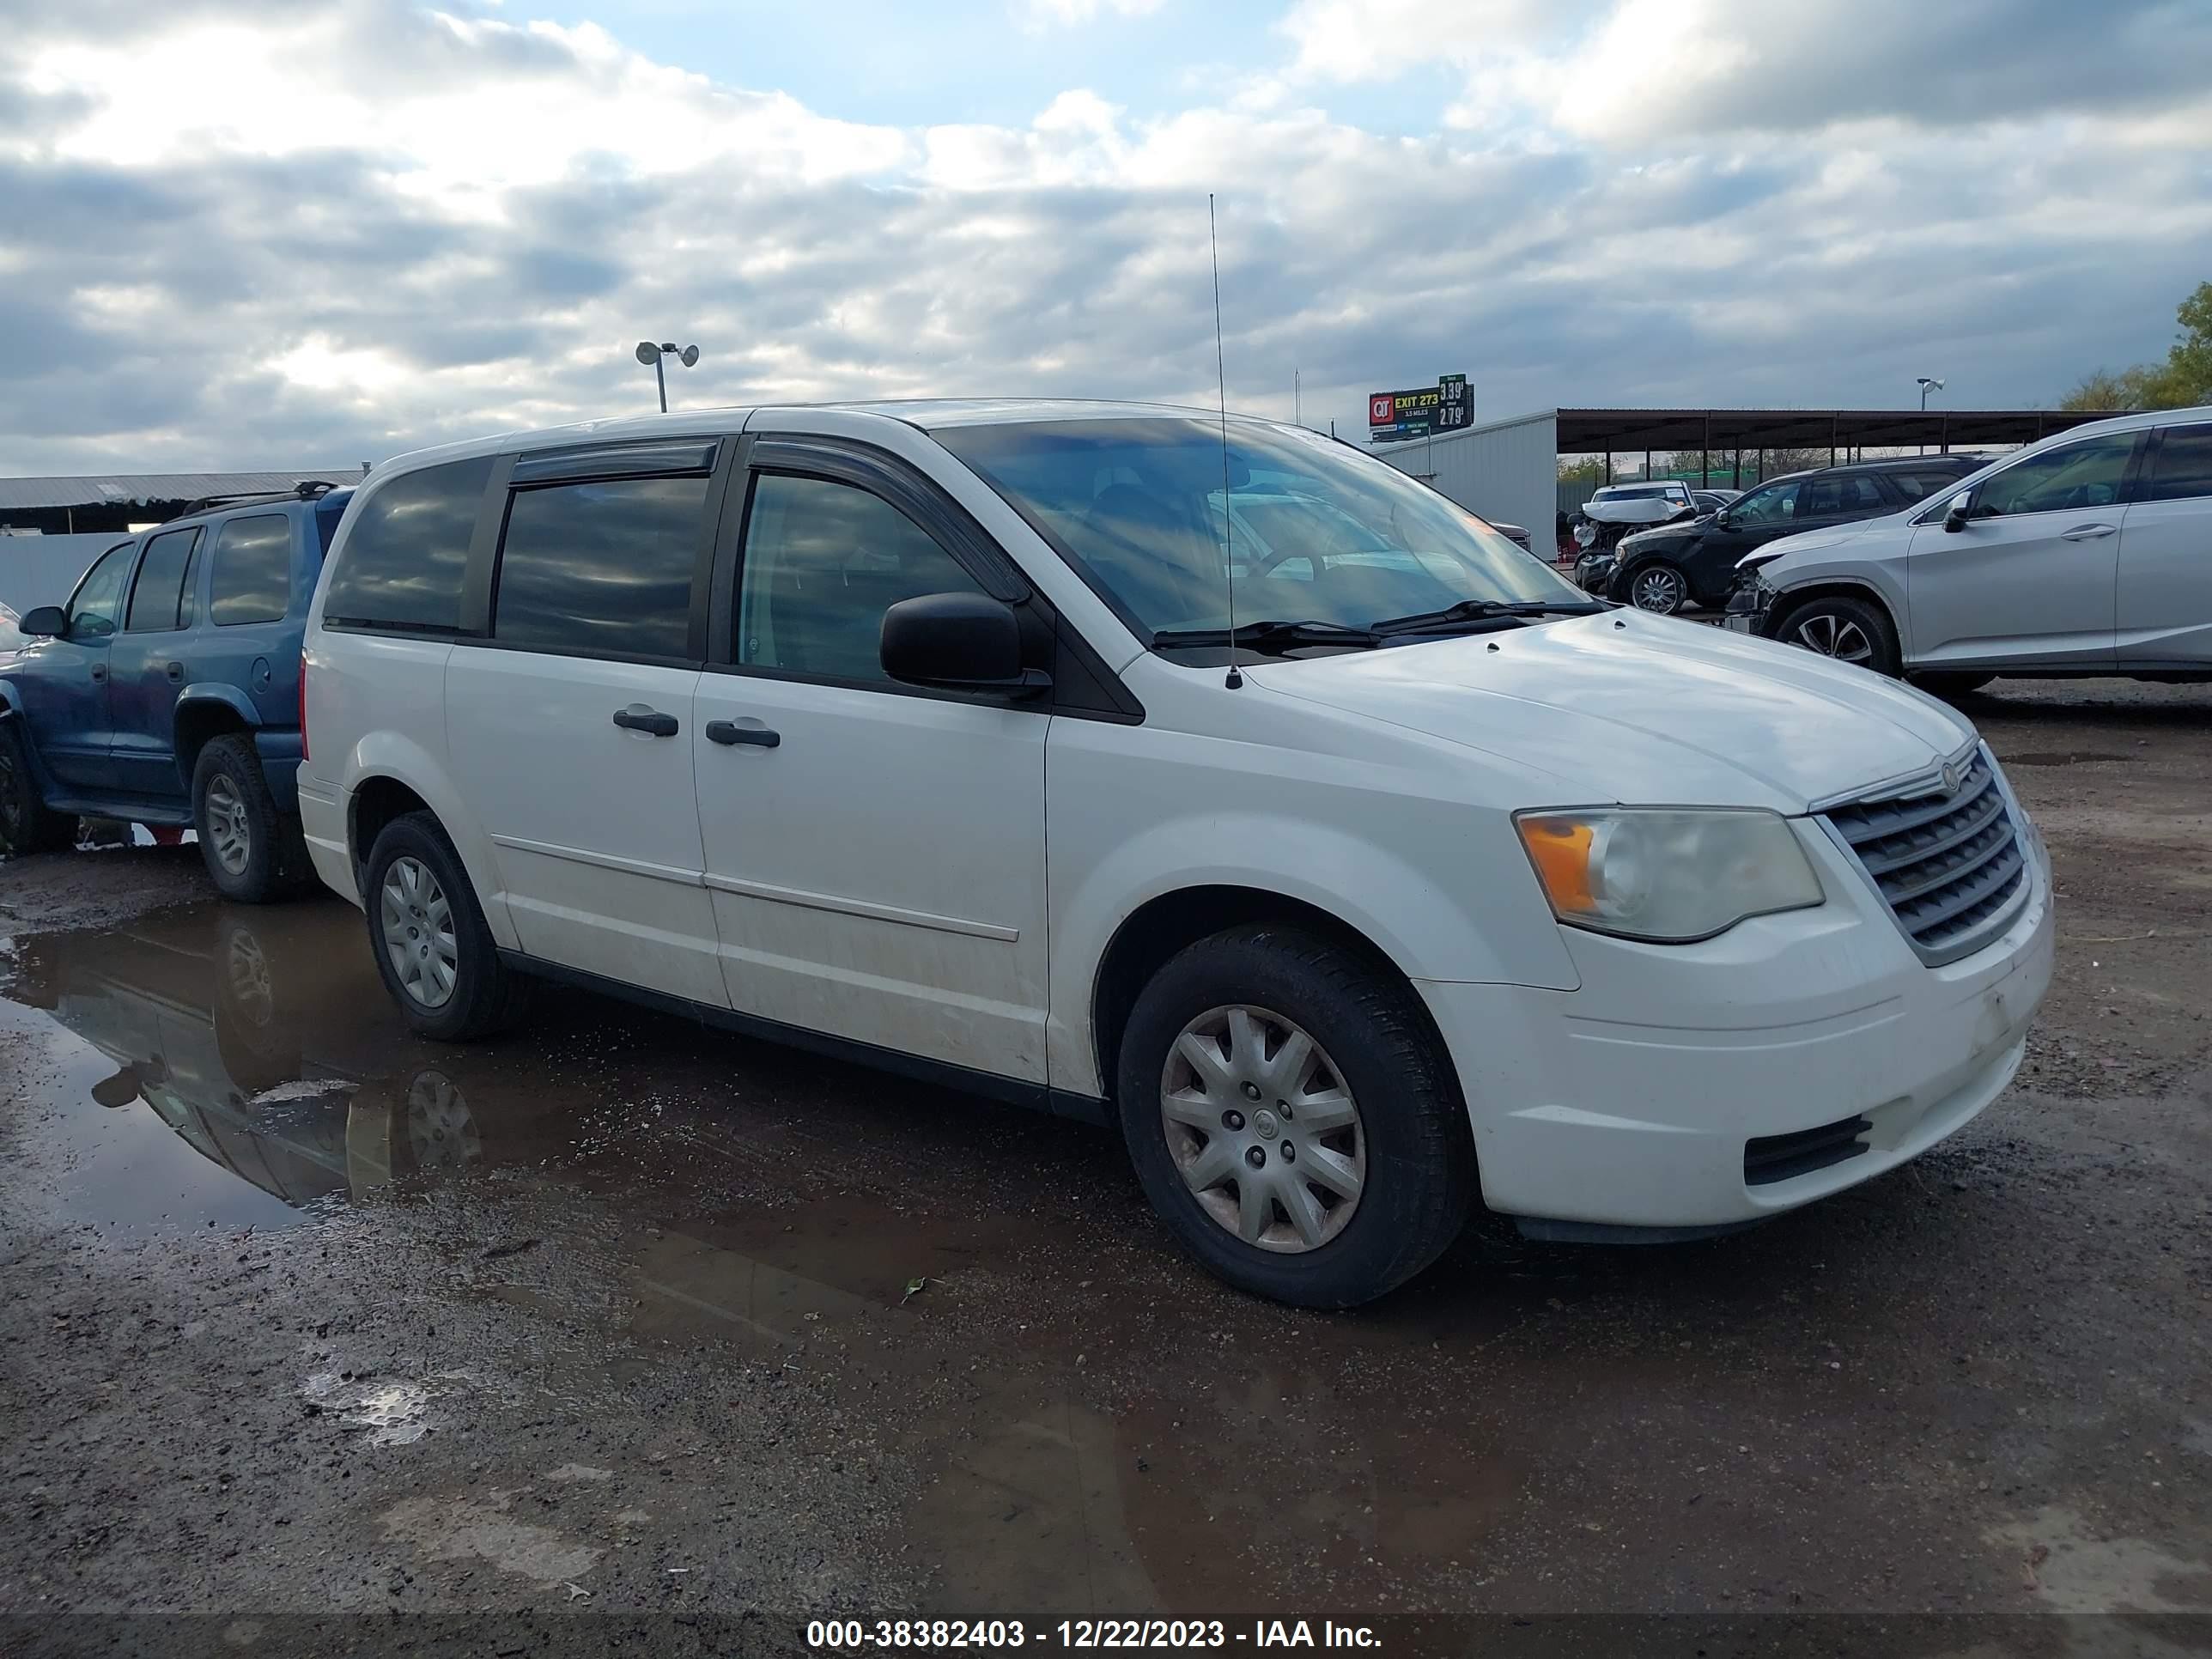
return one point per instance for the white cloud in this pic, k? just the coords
(1073, 14)
(374, 226)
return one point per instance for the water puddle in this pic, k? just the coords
(217, 1067)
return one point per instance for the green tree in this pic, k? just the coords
(2182, 381)
(2104, 389)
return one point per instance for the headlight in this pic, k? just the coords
(1670, 875)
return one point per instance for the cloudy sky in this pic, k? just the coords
(264, 232)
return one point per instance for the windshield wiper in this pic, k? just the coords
(1273, 634)
(1506, 612)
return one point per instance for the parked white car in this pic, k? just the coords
(2089, 553)
(914, 732)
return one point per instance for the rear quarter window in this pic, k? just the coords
(405, 558)
(252, 577)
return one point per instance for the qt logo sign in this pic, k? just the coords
(1381, 409)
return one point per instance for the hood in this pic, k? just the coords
(1680, 532)
(1647, 710)
(1649, 510)
(1811, 541)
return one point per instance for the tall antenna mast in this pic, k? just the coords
(1235, 680)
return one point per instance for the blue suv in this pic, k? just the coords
(166, 691)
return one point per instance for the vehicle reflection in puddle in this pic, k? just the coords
(1102, 1429)
(264, 1046)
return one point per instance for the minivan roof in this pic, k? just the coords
(924, 414)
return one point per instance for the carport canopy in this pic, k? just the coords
(1601, 431)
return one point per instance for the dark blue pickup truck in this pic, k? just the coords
(166, 691)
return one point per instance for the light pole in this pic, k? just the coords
(1928, 383)
(649, 353)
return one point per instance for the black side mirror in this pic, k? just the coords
(1723, 520)
(45, 622)
(958, 642)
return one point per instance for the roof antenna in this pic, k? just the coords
(1236, 680)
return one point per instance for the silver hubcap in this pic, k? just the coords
(249, 981)
(1263, 1128)
(418, 932)
(227, 830)
(440, 1132)
(1833, 637)
(1659, 591)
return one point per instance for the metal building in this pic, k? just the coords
(1509, 470)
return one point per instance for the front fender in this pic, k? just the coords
(1480, 930)
(384, 753)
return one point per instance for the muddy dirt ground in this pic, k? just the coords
(618, 1332)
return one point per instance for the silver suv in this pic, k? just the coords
(2087, 553)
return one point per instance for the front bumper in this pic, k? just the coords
(1629, 1102)
(1750, 602)
(1594, 573)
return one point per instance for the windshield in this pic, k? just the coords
(1315, 531)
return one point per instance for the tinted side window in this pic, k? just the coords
(252, 580)
(2184, 465)
(1917, 486)
(161, 597)
(93, 608)
(601, 566)
(822, 563)
(1854, 493)
(2069, 478)
(408, 551)
(1775, 504)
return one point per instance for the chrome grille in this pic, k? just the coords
(1950, 865)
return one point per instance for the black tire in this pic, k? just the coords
(26, 823)
(1831, 616)
(1629, 585)
(273, 861)
(1419, 1183)
(487, 996)
(1951, 685)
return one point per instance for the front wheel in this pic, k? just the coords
(1293, 1118)
(1850, 630)
(1658, 589)
(26, 824)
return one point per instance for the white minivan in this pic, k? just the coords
(915, 732)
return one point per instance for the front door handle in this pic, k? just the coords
(728, 731)
(638, 718)
(2087, 532)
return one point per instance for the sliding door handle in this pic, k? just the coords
(729, 732)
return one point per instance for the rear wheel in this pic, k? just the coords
(26, 825)
(1293, 1118)
(1658, 589)
(253, 851)
(433, 948)
(1849, 629)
